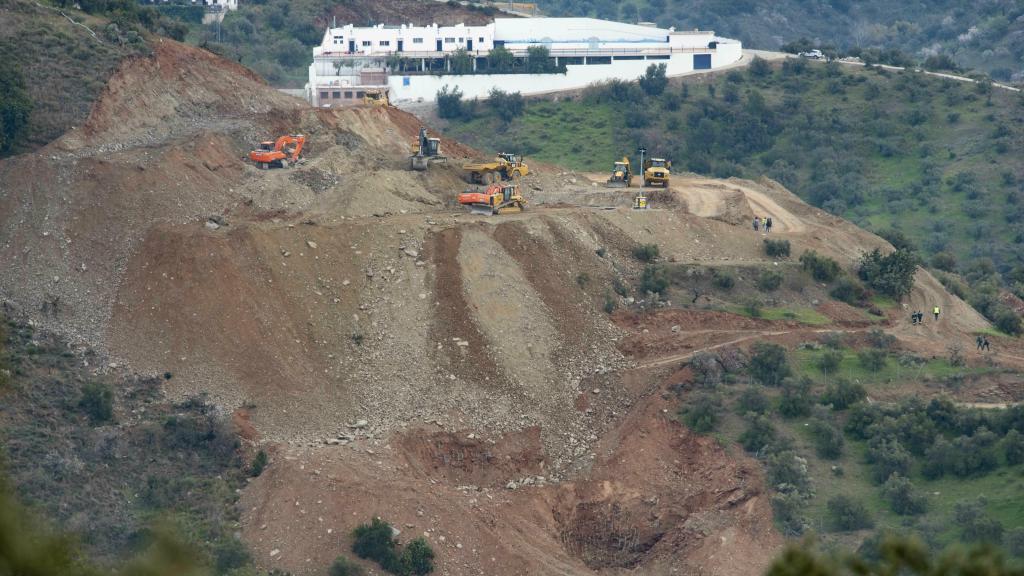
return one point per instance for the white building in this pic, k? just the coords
(414, 62)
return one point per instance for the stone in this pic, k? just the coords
(212, 225)
(359, 424)
(311, 244)
(411, 253)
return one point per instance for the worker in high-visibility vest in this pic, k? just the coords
(936, 312)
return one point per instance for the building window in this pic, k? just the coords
(385, 42)
(449, 40)
(417, 40)
(461, 40)
(336, 95)
(323, 95)
(348, 94)
(367, 43)
(481, 39)
(360, 94)
(339, 39)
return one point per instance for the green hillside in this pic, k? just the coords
(987, 36)
(937, 160)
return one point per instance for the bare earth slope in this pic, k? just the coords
(453, 373)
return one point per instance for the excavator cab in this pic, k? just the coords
(266, 146)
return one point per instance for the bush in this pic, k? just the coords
(760, 433)
(776, 248)
(654, 279)
(702, 415)
(872, 360)
(97, 402)
(842, 394)
(344, 567)
(646, 252)
(752, 400)
(375, 541)
(944, 261)
(507, 105)
(654, 81)
(821, 268)
(880, 339)
(724, 281)
(418, 558)
(829, 361)
(828, 439)
(892, 274)
(769, 280)
(975, 524)
(259, 463)
(1008, 321)
(759, 67)
(610, 303)
(1013, 447)
(846, 514)
(788, 512)
(787, 472)
(795, 399)
(769, 364)
(449, 103)
(850, 291)
(902, 497)
(888, 457)
(15, 106)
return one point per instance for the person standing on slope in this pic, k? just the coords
(936, 312)
(757, 223)
(768, 224)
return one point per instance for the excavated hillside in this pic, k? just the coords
(454, 373)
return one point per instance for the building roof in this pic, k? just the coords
(540, 30)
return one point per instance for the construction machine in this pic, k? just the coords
(657, 171)
(425, 150)
(377, 98)
(504, 167)
(281, 153)
(622, 174)
(499, 198)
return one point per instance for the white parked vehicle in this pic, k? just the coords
(813, 54)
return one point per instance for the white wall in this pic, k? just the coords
(425, 87)
(408, 34)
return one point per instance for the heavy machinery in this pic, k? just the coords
(283, 152)
(377, 98)
(504, 167)
(425, 150)
(499, 198)
(622, 174)
(657, 171)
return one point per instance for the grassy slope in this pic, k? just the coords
(65, 68)
(848, 138)
(109, 483)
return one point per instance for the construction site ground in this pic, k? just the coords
(455, 374)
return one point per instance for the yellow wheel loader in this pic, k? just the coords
(622, 174)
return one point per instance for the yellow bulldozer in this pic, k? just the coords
(504, 167)
(657, 172)
(622, 174)
(376, 98)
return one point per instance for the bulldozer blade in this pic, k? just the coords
(481, 210)
(614, 184)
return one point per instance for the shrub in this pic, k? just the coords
(944, 261)
(344, 567)
(975, 524)
(788, 512)
(759, 67)
(449, 103)
(610, 303)
(724, 280)
(375, 541)
(795, 399)
(752, 400)
(702, 415)
(880, 339)
(888, 457)
(821, 268)
(654, 81)
(769, 364)
(646, 252)
(828, 439)
(654, 279)
(15, 106)
(620, 287)
(842, 394)
(507, 105)
(1008, 321)
(1015, 542)
(769, 280)
(259, 463)
(850, 291)
(829, 361)
(872, 360)
(892, 274)
(97, 402)
(776, 248)
(902, 497)
(846, 514)
(418, 558)
(1013, 447)
(759, 433)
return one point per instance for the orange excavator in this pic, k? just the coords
(283, 152)
(499, 198)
